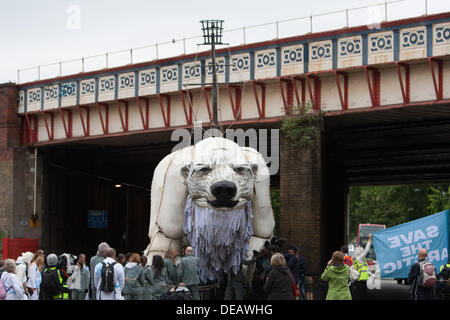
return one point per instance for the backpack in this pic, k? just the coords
(2, 290)
(107, 284)
(50, 284)
(427, 277)
(445, 275)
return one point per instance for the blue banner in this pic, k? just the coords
(397, 248)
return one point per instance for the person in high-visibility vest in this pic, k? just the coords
(359, 287)
(64, 294)
(44, 294)
(443, 285)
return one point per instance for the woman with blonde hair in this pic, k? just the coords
(279, 281)
(13, 286)
(35, 276)
(337, 275)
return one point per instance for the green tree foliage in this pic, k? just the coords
(439, 198)
(302, 127)
(396, 204)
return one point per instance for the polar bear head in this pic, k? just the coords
(219, 176)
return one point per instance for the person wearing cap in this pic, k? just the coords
(22, 269)
(61, 276)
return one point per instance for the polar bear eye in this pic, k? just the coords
(240, 170)
(204, 169)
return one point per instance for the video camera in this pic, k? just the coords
(274, 245)
(67, 262)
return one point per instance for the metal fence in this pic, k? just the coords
(373, 15)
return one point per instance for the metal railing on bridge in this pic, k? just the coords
(373, 16)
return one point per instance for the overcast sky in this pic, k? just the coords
(48, 31)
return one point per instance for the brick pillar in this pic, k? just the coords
(9, 139)
(300, 201)
(16, 171)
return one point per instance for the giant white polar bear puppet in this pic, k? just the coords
(215, 196)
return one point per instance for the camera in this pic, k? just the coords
(275, 244)
(67, 262)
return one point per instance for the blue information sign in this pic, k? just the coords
(98, 219)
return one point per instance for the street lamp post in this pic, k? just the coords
(212, 35)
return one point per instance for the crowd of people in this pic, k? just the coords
(111, 276)
(273, 276)
(347, 276)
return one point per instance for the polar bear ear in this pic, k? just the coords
(184, 171)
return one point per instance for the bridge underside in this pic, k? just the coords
(391, 146)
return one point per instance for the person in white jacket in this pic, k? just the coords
(13, 286)
(35, 277)
(119, 278)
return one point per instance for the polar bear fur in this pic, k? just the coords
(171, 185)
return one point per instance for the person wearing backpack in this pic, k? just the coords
(134, 278)
(12, 286)
(98, 258)
(422, 278)
(109, 278)
(54, 281)
(443, 286)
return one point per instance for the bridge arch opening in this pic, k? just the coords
(99, 190)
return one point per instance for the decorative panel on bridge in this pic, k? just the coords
(192, 75)
(321, 55)
(336, 71)
(68, 93)
(265, 64)
(240, 67)
(87, 91)
(292, 59)
(350, 52)
(51, 95)
(413, 43)
(127, 85)
(107, 88)
(441, 38)
(220, 70)
(169, 78)
(147, 81)
(381, 47)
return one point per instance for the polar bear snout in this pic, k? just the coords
(223, 190)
